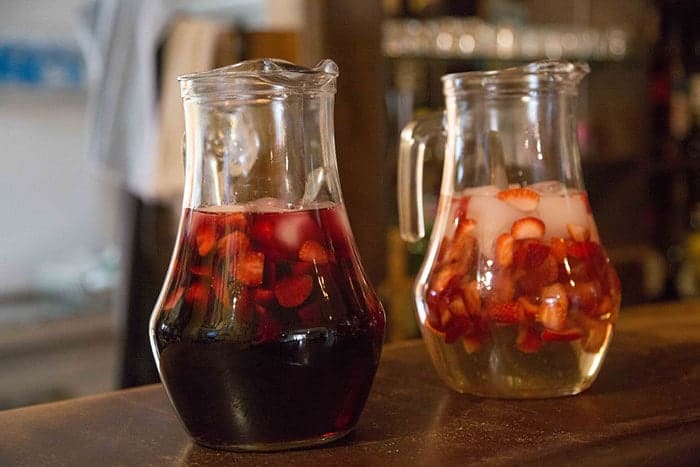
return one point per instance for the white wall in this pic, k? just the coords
(54, 206)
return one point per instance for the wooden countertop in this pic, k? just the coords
(644, 409)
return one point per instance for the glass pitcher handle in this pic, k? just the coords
(415, 138)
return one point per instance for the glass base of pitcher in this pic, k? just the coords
(499, 370)
(278, 446)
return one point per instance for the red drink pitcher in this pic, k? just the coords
(266, 334)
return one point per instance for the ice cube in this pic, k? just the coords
(486, 190)
(294, 228)
(558, 210)
(493, 217)
(551, 187)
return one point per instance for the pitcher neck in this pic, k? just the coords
(519, 136)
(268, 141)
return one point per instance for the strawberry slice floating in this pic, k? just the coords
(248, 268)
(527, 227)
(293, 291)
(506, 313)
(313, 252)
(521, 198)
(205, 238)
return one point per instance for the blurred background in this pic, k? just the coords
(85, 86)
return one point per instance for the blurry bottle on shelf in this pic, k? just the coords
(675, 106)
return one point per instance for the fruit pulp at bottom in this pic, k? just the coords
(304, 389)
(499, 369)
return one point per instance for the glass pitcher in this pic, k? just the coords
(266, 334)
(516, 296)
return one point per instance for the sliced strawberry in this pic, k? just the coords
(293, 291)
(504, 250)
(248, 268)
(473, 342)
(313, 252)
(263, 296)
(528, 340)
(440, 278)
(472, 298)
(433, 325)
(578, 233)
(173, 299)
(534, 279)
(197, 293)
(459, 326)
(205, 238)
(232, 221)
(506, 313)
(201, 269)
(584, 295)
(235, 243)
(302, 267)
(521, 198)
(530, 307)
(554, 306)
(558, 248)
(457, 307)
(530, 254)
(550, 335)
(502, 287)
(584, 250)
(527, 227)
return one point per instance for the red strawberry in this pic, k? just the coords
(231, 221)
(584, 250)
(197, 293)
(528, 341)
(173, 299)
(504, 250)
(458, 326)
(529, 306)
(535, 278)
(578, 233)
(527, 227)
(521, 198)
(550, 335)
(558, 247)
(201, 269)
(584, 295)
(313, 252)
(506, 313)
(473, 342)
(535, 254)
(263, 296)
(472, 298)
(248, 268)
(301, 267)
(233, 244)
(554, 307)
(293, 291)
(205, 238)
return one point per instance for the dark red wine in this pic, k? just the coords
(309, 385)
(267, 334)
